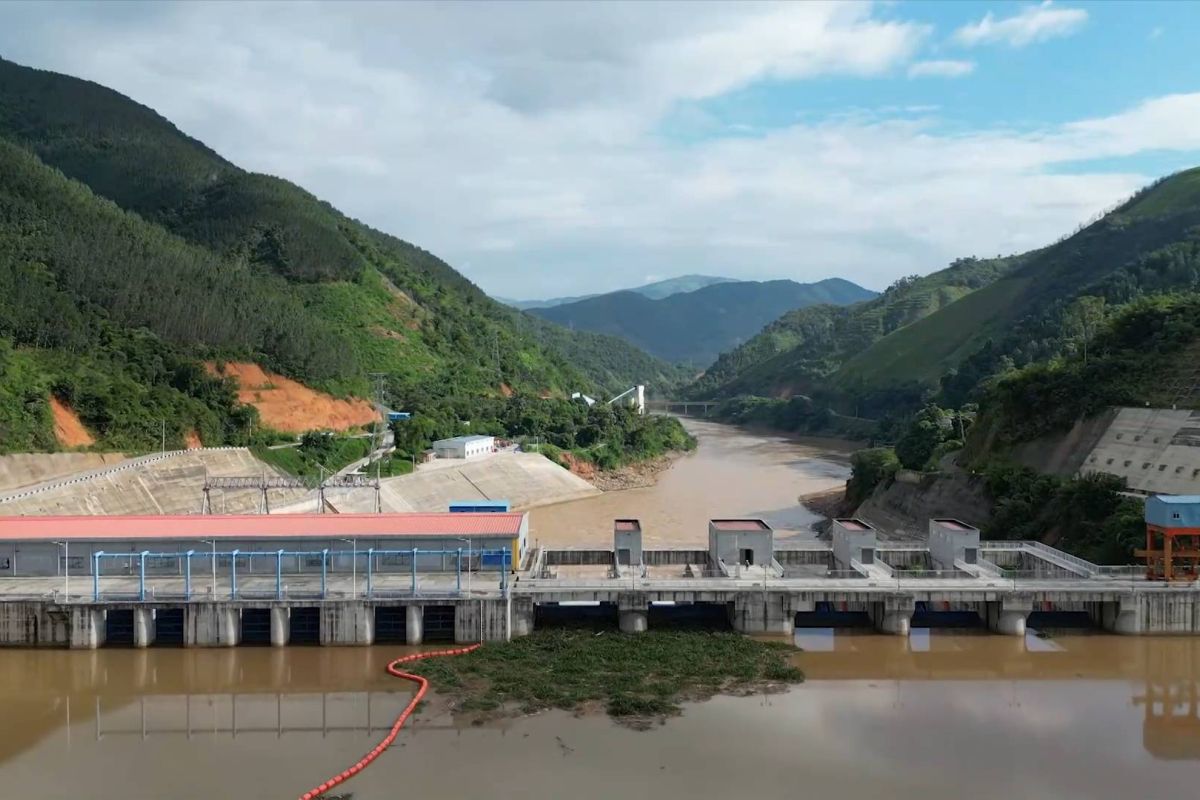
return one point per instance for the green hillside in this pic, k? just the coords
(796, 352)
(129, 252)
(693, 327)
(1146, 245)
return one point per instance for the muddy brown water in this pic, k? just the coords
(732, 473)
(937, 715)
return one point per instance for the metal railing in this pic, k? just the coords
(477, 560)
(1043, 551)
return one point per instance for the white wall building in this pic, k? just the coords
(464, 446)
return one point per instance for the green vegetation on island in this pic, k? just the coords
(643, 676)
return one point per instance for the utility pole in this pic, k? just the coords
(164, 436)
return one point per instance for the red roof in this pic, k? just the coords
(739, 524)
(854, 524)
(258, 526)
(627, 525)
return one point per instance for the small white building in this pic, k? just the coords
(741, 541)
(464, 446)
(853, 540)
(952, 540)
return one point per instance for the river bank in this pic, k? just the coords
(635, 476)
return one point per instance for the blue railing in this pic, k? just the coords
(499, 558)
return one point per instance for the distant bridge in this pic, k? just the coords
(681, 406)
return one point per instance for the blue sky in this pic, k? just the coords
(1121, 54)
(549, 149)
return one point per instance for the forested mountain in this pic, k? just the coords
(694, 326)
(1024, 310)
(655, 291)
(129, 252)
(1148, 245)
(793, 354)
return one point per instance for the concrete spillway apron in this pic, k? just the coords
(423, 686)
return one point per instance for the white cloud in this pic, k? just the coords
(525, 145)
(940, 69)
(1029, 25)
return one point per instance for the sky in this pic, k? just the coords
(548, 149)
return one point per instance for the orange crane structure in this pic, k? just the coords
(1172, 538)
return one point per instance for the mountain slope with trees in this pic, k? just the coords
(693, 327)
(795, 352)
(130, 252)
(1145, 246)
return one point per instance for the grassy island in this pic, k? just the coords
(636, 678)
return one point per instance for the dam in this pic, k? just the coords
(361, 579)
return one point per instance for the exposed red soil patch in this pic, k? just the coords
(506, 390)
(583, 469)
(290, 406)
(67, 427)
(191, 440)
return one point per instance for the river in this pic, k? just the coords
(732, 473)
(936, 715)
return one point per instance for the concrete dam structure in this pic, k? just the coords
(412, 578)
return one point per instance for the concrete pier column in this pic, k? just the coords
(350, 622)
(521, 616)
(1008, 623)
(211, 625)
(893, 615)
(634, 620)
(87, 628)
(755, 613)
(143, 627)
(633, 612)
(281, 625)
(414, 624)
(1122, 616)
(1007, 616)
(898, 623)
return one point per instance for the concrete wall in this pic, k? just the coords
(26, 469)
(153, 485)
(34, 624)
(631, 541)
(727, 545)
(1155, 450)
(526, 480)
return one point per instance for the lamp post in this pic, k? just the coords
(468, 541)
(353, 566)
(213, 542)
(66, 546)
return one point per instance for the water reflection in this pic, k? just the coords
(278, 720)
(1163, 673)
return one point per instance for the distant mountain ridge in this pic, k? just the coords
(693, 327)
(655, 291)
(797, 351)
